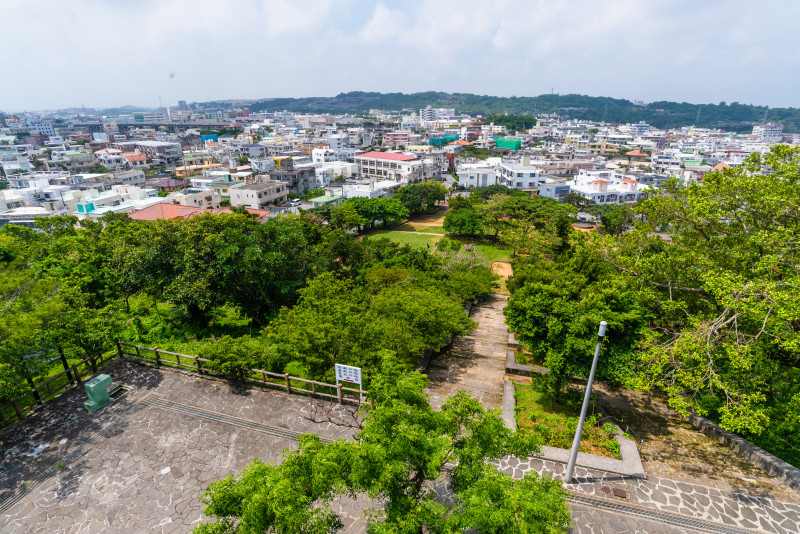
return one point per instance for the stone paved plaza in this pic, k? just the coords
(150, 464)
(140, 463)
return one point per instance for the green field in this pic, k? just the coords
(486, 246)
(411, 227)
(408, 238)
(498, 252)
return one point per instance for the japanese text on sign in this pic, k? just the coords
(346, 373)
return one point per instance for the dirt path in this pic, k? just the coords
(430, 219)
(475, 363)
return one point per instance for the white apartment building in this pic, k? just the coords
(41, 128)
(555, 189)
(429, 114)
(330, 171)
(325, 155)
(769, 133)
(252, 151)
(160, 152)
(259, 195)
(198, 197)
(470, 176)
(394, 166)
(522, 175)
(607, 187)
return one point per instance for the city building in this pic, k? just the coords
(769, 133)
(259, 195)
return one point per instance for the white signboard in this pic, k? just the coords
(346, 373)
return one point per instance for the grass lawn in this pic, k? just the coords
(556, 425)
(485, 245)
(495, 252)
(407, 238)
(411, 227)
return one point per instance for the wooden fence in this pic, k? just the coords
(74, 376)
(71, 376)
(203, 366)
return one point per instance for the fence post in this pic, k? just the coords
(119, 349)
(138, 352)
(33, 391)
(158, 357)
(77, 375)
(197, 363)
(339, 392)
(66, 365)
(288, 383)
(93, 363)
(20, 415)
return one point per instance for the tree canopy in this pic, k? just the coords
(401, 452)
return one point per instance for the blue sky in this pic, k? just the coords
(104, 53)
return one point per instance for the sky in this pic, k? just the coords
(107, 53)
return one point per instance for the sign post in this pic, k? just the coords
(346, 373)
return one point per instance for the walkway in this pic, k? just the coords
(477, 362)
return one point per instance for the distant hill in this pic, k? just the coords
(733, 116)
(124, 110)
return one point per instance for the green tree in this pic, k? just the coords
(28, 301)
(313, 193)
(615, 217)
(556, 313)
(402, 448)
(465, 221)
(580, 202)
(346, 217)
(457, 202)
(421, 196)
(724, 289)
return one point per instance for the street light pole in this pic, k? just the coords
(576, 443)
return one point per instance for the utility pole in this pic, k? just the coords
(576, 443)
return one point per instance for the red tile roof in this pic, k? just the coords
(637, 154)
(260, 213)
(600, 181)
(629, 181)
(720, 166)
(391, 156)
(176, 211)
(165, 211)
(461, 142)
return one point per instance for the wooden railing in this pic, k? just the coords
(71, 376)
(203, 366)
(74, 376)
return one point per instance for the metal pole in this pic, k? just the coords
(576, 443)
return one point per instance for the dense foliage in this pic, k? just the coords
(514, 123)
(401, 451)
(289, 293)
(701, 295)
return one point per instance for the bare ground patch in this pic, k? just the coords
(674, 449)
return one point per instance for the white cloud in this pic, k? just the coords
(107, 53)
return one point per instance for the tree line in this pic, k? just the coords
(81, 285)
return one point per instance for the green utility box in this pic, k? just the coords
(97, 390)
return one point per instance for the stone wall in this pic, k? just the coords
(759, 457)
